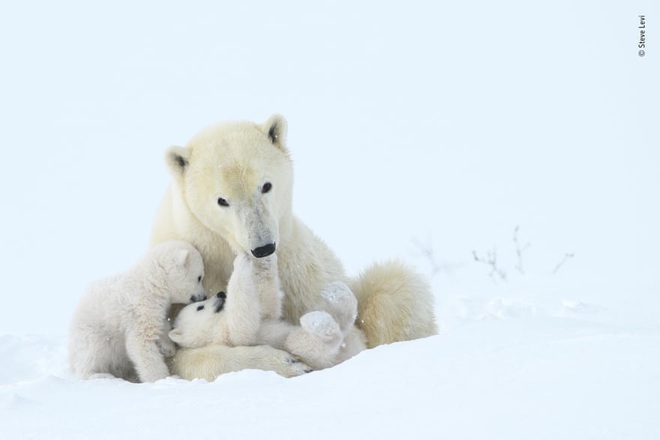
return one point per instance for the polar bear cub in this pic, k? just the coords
(250, 314)
(120, 325)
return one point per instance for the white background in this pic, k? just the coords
(447, 125)
(414, 127)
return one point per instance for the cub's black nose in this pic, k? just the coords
(198, 298)
(264, 251)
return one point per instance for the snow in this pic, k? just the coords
(418, 131)
(529, 377)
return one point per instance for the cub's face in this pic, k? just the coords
(236, 180)
(179, 266)
(194, 325)
(186, 276)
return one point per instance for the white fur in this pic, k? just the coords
(214, 359)
(120, 326)
(234, 162)
(236, 324)
(324, 337)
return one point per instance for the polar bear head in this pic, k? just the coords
(178, 267)
(236, 179)
(198, 324)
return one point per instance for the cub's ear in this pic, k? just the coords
(177, 159)
(176, 335)
(276, 129)
(181, 258)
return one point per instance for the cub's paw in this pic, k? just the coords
(243, 265)
(320, 325)
(154, 375)
(166, 347)
(338, 300)
(265, 266)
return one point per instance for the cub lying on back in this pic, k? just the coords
(249, 314)
(120, 326)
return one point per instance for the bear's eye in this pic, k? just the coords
(200, 308)
(267, 187)
(223, 202)
(199, 279)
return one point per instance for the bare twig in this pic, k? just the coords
(559, 265)
(490, 260)
(519, 250)
(426, 251)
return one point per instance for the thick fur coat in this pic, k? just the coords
(249, 314)
(120, 326)
(232, 193)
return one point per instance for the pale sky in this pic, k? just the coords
(448, 124)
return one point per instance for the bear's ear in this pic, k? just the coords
(176, 335)
(276, 128)
(177, 159)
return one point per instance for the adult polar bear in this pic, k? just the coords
(232, 192)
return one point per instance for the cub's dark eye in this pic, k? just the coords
(267, 187)
(223, 202)
(199, 279)
(200, 308)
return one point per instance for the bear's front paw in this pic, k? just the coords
(295, 367)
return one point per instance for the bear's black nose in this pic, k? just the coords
(264, 251)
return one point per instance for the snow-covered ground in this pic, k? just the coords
(509, 371)
(525, 134)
